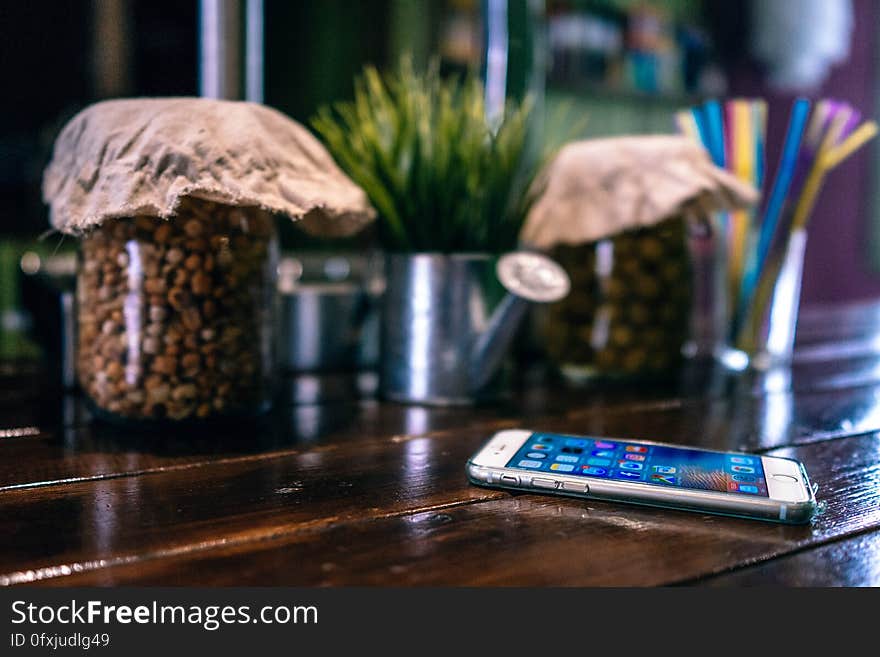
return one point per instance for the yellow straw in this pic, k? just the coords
(827, 161)
(744, 151)
(855, 141)
(744, 168)
(687, 125)
(814, 180)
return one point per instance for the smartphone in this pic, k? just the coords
(640, 472)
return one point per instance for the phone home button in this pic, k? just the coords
(784, 478)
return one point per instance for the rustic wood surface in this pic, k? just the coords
(360, 492)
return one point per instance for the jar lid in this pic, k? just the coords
(533, 276)
(598, 188)
(127, 157)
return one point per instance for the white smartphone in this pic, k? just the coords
(639, 472)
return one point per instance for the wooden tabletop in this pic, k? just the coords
(361, 492)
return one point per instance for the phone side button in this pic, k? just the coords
(510, 479)
(537, 482)
(575, 487)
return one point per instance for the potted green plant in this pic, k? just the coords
(452, 189)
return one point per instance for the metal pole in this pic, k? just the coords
(253, 57)
(497, 49)
(219, 48)
(112, 48)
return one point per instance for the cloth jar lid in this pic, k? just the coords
(122, 158)
(597, 188)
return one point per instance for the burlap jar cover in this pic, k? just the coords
(613, 213)
(173, 202)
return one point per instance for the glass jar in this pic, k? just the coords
(175, 317)
(628, 310)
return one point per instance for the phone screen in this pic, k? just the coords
(650, 464)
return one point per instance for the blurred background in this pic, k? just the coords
(626, 65)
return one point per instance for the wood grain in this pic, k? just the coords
(356, 491)
(851, 562)
(169, 513)
(741, 421)
(526, 539)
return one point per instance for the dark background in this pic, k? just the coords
(49, 50)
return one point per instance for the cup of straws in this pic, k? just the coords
(764, 247)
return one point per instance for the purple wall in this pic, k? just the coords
(838, 266)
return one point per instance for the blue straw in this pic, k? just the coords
(760, 129)
(799, 112)
(796, 123)
(702, 128)
(715, 125)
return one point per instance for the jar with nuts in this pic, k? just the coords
(176, 317)
(629, 307)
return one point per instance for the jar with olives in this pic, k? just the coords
(628, 311)
(175, 317)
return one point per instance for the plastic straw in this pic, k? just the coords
(759, 123)
(855, 141)
(758, 109)
(743, 150)
(741, 163)
(818, 123)
(702, 128)
(715, 131)
(827, 161)
(687, 126)
(854, 119)
(781, 183)
(807, 197)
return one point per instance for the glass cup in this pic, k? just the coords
(767, 335)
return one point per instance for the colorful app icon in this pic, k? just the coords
(597, 461)
(742, 460)
(604, 453)
(741, 477)
(664, 478)
(732, 486)
(742, 468)
(525, 463)
(541, 447)
(634, 457)
(562, 467)
(664, 469)
(638, 449)
(565, 458)
(572, 450)
(748, 488)
(593, 470)
(536, 455)
(573, 442)
(629, 465)
(601, 444)
(623, 474)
